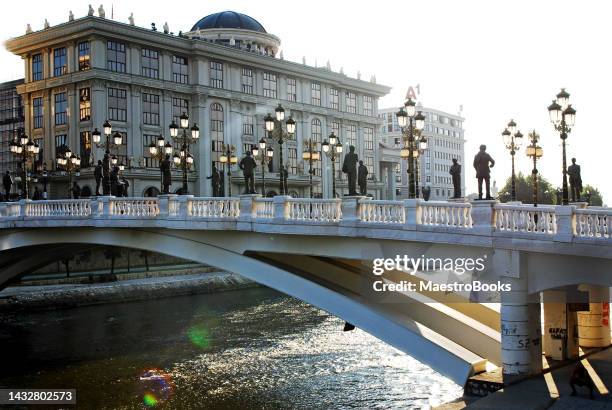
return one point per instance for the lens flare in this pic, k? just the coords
(156, 387)
(199, 336)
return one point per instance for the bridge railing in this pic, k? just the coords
(132, 207)
(526, 219)
(447, 214)
(594, 223)
(263, 208)
(213, 207)
(313, 209)
(389, 212)
(63, 208)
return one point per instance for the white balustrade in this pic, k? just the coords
(173, 207)
(526, 218)
(214, 208)
(379, 211)
(62, 208)
(134, 207)
(450, 214)
(321, 210)
(10, 210)
(594, 223)
(264, 208)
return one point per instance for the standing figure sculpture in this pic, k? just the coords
(216, 181)
(362, 178)
(284, 177)
(247, 165)
(575, 180)
(349, 167)
(7, 181)
(98, 176)
(455, 171)
(483, 164)
(106, 171)
(164, 167)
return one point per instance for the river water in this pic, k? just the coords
(252, 348)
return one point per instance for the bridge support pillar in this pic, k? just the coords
(594, 324)
(521, 330)
(560, 340)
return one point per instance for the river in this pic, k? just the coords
(253, 348)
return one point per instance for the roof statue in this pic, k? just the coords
(47, 24)
(304, 60)
(28, 29)
(282, 57)
(101, 11)
(373, 79)
(328, 65)
(90, 11)
(131, 19)
(232, 41)
(70, 16)
(359, 75)
(166, 28)
(342, 70)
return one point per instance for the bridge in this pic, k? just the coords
(321, 251)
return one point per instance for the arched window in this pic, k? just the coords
(316, 133)
(216, 131)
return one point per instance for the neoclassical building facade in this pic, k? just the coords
(226, 73)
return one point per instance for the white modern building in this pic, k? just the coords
(445, 141)
(226, 73)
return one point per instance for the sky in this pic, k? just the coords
(500, 60)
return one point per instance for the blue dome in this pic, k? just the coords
(229, 19)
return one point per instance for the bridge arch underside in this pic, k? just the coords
(329, 272)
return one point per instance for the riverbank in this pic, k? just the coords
(32, 297)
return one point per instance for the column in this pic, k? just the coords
(98, 113)
(594, 324)
(73, 118)
(203, 158)
(98, 53)
(391, 182)
(560, 340)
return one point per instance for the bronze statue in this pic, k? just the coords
(247, 165)
(284, 172)
(455, 171)
(575, 180)
(483, 164)
(106, 173)
(98, 176)
(215, 181)
(7, 181)
(164, 167)
(349, 167)
(362, 178)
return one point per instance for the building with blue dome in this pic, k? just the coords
(226, 72)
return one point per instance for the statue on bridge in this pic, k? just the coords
(247, 165)
(215, 181)
(455, 171)
(483, 163)
(349, 167)
(164, 167)
(575, 180)
(362, 178)
(106, 173)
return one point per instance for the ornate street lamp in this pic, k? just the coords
(274, 127)
(228, 157)
(535, 152)
(563, 118)
(158, 150)
(266, 156)
(184, 159)
(24, 149)
(332, 149)
(110, 140)
(69, 162)
(513, 139)
(405, 118)
(311, 155)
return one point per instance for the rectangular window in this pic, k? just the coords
(115, 56)
(368, 138)
(293, 161)
(84, 56)
(315, 94)
(179, 70)
(351, 135)
(369, 163)
(150, 109)
(291, 89)
(247, 80)
(84, 104)
(60, 141)
(61, 105)
(334, 102)
(122, 149)
(59, 62)
(269, 85)
(85, 149)
(179, 106)
(37, 104)
(37, 67)
(247, 125)
(368, 105)
(216, 74)
(117, 104)
(150, 63)
(351, 103)
(149, 162)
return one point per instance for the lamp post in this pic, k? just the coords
(311, 155)
(406, 116)
(69, 162)
(274, 127)
(513, 140)
(25, 149)
(158, 150)
(184, 158)
(266, 156)
(228, 157)
(332, 149)
(422, 146)
(534, 151)
(116, 140)
(563, 118)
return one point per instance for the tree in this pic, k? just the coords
(524, 190)
(595, 196)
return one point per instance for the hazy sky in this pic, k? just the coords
(500, 60)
